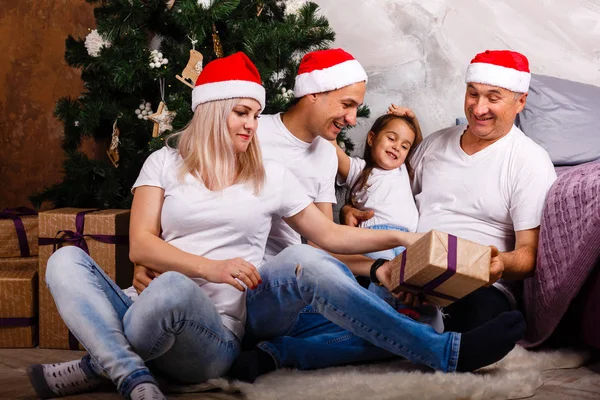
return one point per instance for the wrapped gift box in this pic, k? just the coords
(18, 233)
(442, 267)
(101, 233)
(18, 302)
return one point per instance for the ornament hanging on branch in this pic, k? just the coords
(162, 118)
(144, 109)
(260, 6)
(157, 60)
(94, 42)
(193, 68)
(113, 150)
(292, 6)
(205, 3)
(217, 42)
(286, 94)
(169, 4)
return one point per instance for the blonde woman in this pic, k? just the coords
(200, 218)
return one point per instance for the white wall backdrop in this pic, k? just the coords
(416, 51)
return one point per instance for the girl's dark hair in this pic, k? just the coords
(378, 126)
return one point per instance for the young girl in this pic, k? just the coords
(381, 181)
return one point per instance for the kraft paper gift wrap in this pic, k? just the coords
(18, 232)
(18, 302)
(442, 267)
(103, 234)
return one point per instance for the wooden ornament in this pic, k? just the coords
(113, 150)
(259, 8)
(192, 69)
(169, 4)
(218, 47)
(162, 119)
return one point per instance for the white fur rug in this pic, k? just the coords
(516, 376)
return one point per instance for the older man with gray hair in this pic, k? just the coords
(485, 182)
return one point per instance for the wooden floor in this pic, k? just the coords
(582, 383)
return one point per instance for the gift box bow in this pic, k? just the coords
(78, 238)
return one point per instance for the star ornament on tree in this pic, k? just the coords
(162, 119)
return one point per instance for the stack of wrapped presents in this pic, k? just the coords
(18, 278)
(103, 234)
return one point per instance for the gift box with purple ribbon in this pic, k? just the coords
(18, 232)
(18, 302)
(104, 235)
(442, 267)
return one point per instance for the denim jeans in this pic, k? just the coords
(173, 325)
(302, 282)
(430, 315)
(391, 253)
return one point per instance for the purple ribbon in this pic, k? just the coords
(15, 214)
(430, 287)
(78, 238)
(18, 322)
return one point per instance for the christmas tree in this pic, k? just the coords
(139, 67)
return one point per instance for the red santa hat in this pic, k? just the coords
(324, 70)
(503, 68)
(227, 78)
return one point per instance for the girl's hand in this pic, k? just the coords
(232, 272)
(384, 275)
(401, 111)
(411, 300)
(353, 217)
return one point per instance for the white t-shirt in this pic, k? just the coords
(221, 225)
(387, 193)
(484, 197)
(313, 164)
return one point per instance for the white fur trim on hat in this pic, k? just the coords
(332, 78)
(227, 90)
(496, 75)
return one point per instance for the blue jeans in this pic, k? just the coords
(391, 253)
(429, 314)
(282, 324)
(174, 325)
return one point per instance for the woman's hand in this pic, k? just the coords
(142, 277)
(232, 272)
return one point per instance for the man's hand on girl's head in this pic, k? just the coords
(401, 111)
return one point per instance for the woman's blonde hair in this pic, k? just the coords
(207, 150)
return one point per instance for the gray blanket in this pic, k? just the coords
(569, 248)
